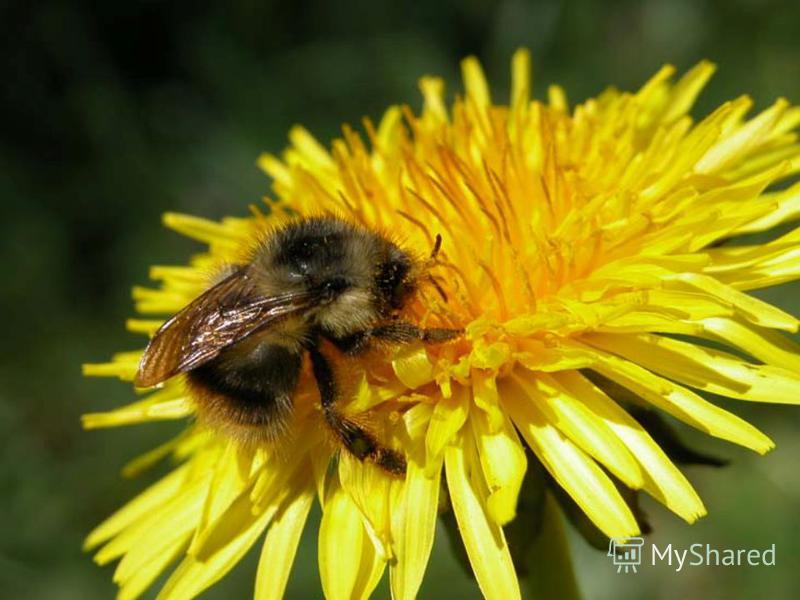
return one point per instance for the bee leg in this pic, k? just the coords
(356, 440)
(402, 332)
(352, 344)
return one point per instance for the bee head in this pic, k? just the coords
(358, 275)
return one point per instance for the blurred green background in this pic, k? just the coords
(113, 113)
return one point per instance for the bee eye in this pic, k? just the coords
(333, 287)
(392, 284)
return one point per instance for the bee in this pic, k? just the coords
(242, 343)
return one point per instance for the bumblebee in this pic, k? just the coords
(242, 343)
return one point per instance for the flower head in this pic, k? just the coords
(581, 248)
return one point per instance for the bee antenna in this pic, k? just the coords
(437, 245)
(438, 287)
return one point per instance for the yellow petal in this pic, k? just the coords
(415, 528)
(149, 459)
(704, 368)
(526, 325)
(413, 367)
(173, 527)
(348, 564)
(388, 129)
(536, 356)
(692, 147)
(754, 310)
(262, 494)
(577, 421)
(475, 82)
(685, 91)
(520, 79)
(415, 421)
(484, 395)
(483, 538)
(370, 489)
(787, 208)
(663, 480)
(785, 267)
(689, 305)
(503, 462)
(144, 575)
(178, 512)
(657, 82)
(193, 576)
(489, 356)
(741, 259)
(280, 546)
(272, 166)
(189, 279)
(432, 89)
(449, 415)
(313, 155)
(274, 472)
(123, 367)
(228, 482)
(763, 344)
(155, 407)
(156, 495)
(578, 474)
(227, 528)
(204, 230)
(735, 145)
(680, 402)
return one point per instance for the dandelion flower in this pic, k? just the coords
(581, 245)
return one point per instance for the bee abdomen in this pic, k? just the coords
(247, 395)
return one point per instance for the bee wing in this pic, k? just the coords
(223, 315)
